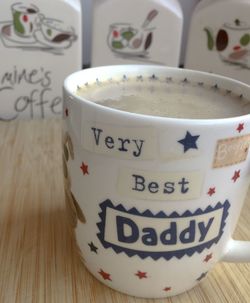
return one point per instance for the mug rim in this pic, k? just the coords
(18, 4)
(61, 30)
(71, 86)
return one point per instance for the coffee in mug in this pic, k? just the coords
(167, 98)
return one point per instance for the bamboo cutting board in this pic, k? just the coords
(38, 254)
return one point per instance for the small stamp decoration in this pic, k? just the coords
(231, 151)
(160, 235)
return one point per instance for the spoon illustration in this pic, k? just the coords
(151, 15)
(138, 38)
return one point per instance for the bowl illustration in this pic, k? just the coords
(55, 30)
(125, 39)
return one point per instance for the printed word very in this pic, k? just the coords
(120, 142)
(165, 186)
(133, 146)
(160, 235)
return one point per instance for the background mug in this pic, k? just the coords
(55, 31)
(24, 19)
(154, 200)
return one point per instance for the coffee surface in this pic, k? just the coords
(180, 99)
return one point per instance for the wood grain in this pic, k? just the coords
(38, 259)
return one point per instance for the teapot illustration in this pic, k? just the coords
(232, 42)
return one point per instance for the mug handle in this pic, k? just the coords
(238, 251)
(39, 19)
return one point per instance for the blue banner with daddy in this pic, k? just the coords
(160, 235)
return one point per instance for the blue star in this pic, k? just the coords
(189, 141)
(93, 247)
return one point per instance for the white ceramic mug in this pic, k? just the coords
(142, 242)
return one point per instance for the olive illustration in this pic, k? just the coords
(148, 41)
(61, 37)
(221, 40)
(210, 39)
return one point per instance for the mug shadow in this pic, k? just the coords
(40, 255)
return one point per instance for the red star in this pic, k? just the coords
(167, 288)
(105, 275)
(236, 175)
(66, 112)
(211, 191)
(240, 127)
(141, 274)
(85, 168)
(208, 257)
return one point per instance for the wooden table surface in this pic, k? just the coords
(38, 260)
